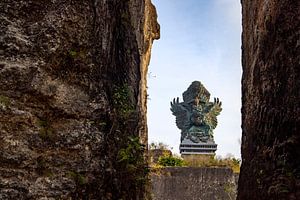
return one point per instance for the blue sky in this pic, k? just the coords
(200, 40)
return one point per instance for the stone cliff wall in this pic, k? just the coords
(271, 100)
(72, 89)
(187, 183)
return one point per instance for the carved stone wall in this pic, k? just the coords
(270, 100)
(194, 183)
(72, 89)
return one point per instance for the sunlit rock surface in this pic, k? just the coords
(62, 64)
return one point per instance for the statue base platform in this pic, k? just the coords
(188, 147)
(195, 159)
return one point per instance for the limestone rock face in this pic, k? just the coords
(271, 100)
(72, 89)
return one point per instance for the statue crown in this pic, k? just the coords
(196, 89)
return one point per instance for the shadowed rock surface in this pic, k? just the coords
(72, 89)
(271, 100)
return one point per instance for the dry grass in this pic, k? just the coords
(211, 161)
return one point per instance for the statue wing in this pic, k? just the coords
(212, 110)
(181, 113)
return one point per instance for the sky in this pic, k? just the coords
(200, 40)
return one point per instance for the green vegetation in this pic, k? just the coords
(212, 161)
(122, 101)
(45, 132)
(102, 123)
(166, 159)
(73, 53)
(42, 167)
(171, 161)
(77, 54)
(77, 177)
(4, 101)
(132, 158)
(132, 155)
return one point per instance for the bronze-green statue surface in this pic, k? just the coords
(196, 117)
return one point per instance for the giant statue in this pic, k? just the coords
(196, 117)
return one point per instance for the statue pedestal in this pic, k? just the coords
(188, 147)
(196, 160)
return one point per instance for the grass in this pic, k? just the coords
(211, 161)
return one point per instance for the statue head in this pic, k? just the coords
(196, 93)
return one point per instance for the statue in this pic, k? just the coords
(196, 116)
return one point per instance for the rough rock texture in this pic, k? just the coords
(72, 89)
(188, 183)
(271, 100)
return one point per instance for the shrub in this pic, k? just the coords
(171, 161)
(132, 155)
(122, 101)
(132, 158)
